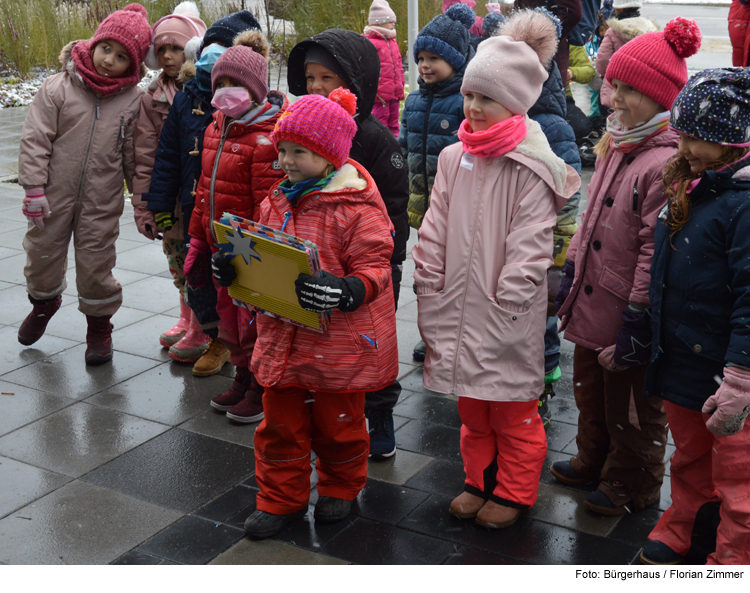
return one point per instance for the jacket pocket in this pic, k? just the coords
(428, 317)
(615, 284)
(507, 337)
(700, 344)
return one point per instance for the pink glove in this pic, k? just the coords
(197, 263)
(144, 220)
(607, 360)
(730, 405)
(35, 206)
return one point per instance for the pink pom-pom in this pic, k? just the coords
(346, 99)
(135, 7)
(684, 35)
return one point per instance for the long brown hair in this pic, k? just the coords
(677, 177)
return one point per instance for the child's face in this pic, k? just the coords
(483, 112)
(390, 26)
(321, 80)
(633, 108)
(432, 68)
(110, 59)
(300, 163)
(699, 153)
(225, 82)
(171, 58)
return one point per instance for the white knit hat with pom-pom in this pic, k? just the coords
(512, 67)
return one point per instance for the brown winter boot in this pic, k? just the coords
(36, 322)
(98, 340)
(236, 393)
(213, 359)
(497, 516)
(466, 505)
(250, 409)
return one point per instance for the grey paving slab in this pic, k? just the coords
(148, 259)
(400, 468)
(153, 294)
(408, 336)
(22, 405)
(12, 239)
(179, 469)
(66, 373)
(168, 394)
(213, 424)
(78, 439)
(15, 355)
(11, 268)
(80, 523)
(15, 303)
(124, 277)
(564, 507)
(6, 252)
(4, 285)
(23, 483)
(70, 323)
(271, 552)
(6, 224)
(142, 338)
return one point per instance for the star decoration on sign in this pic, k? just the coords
(239, 244)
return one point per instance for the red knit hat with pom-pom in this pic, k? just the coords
(324, 125)
(654, 63)
(130, 28)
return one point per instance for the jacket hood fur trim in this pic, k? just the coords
(631, 28)
(347, 177)
(187, 71)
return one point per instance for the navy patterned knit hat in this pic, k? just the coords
(447, 35)
(227, 28)
(492, 23)
(714, 106)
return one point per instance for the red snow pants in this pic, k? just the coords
(503, 446)
(236, 331)
(707, 468)
(297, 420)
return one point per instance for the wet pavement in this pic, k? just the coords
(126, 463)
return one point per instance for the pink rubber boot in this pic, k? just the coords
(170, 337)
(190, 348)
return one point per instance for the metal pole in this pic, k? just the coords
(413, 32)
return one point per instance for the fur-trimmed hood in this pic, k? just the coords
(631, 28)
(186, 72)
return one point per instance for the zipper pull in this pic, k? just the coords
(122, 127)
(635, 196)
(97, 109)
(287, 216)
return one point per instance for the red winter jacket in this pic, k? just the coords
(739, 33)
(349, 223)
(391, 83)
(246, 169)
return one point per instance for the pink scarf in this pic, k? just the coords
(104, 85)
(499, 139)
(165, 86)
(382, 31)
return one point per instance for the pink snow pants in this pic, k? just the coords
(388, 114)
(237, 329)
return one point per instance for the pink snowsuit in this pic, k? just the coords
(391, 83)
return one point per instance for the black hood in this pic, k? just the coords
(355, 54)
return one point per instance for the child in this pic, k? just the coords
(490, 24)
(76, 146)
(622, 437)
(319, 65)
(627, 24)
(174, 35)
(239, 167)
(699, 303)
(382, 33)
(580, 70)
(432, 114)
(489, 232)
(174, 181)
(315, 382)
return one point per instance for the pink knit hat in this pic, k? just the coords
(247, 63)
(511, 68)
(324, 125)
(176, 29)
(130, 28)
(654, 63)
(381, 13)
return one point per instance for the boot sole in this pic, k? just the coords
(166, 343)
(246, 419)
(209, 373)
(190, 360)
(271, 532)
(220, 408)
(569, 481)
(96, 360)
(463, 515)
(26, 342)
(610, 512)
(644, 560)
(376, 456)
(497, 525)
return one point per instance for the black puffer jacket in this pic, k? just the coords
(374, 146)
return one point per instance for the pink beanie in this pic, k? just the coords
(511, 68)
(324, 125)
(130, 28)
(654, 63)
(176, 29)
(381, 13)
(448, 3)
(247, 63)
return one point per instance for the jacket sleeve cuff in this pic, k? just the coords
(370, 288)
(158, 202)
(34, 192)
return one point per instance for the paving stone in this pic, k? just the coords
(471, 556)
(192, 540)
(15, 355)
(147, 259)
(70, 323)
(167, 393)
(311, 536)
(564, 410)
(142, 338)
(408, 336)
(387, 503)
(11, 268)
(75, 524)
(6, 252)
(214, 424)
(559, 435)
(442, 477)
(22, 405)
(431, 408)
(564, 507)
(23, 483)
(634, 528)
(66, 373)
(431, 439)
(398, 469)
(413, 382)
(228, 504)
(16, 305)
(179, 470)
(270, 552)
(77, 439)
(151, 294)
(14, 240)
(124, 277)
(136, 557)
(367, 542)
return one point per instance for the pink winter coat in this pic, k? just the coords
(614, 245)
(391, 83)
(481, 269)
(618, 34)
